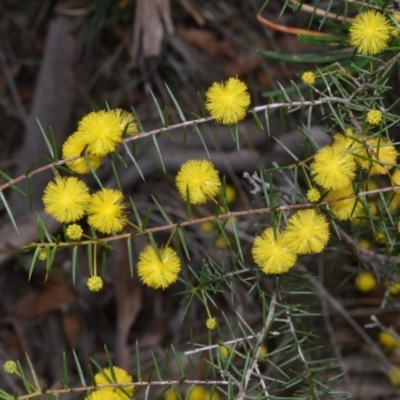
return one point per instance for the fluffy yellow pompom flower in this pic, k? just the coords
(344, 209)
(201, 178)
(158, 273)
(127, 122)
(365, 281)
(272, 254)
(308, 78)
(313, 195)
(74, 146)
(105, 377)
(95, 283)
(384, 151)
(374, 117)
(211, 323)
(228, 102)
(307, 232)
(370, 32)
(10, 367)
(66, 199)
(106, 211)
(74, 232)
(333, 168)
(102, 131)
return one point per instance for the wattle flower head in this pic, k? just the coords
(201, 178)
(307, 232)
(74, 232)
(344, 209)
(370, 32)
(374, 117)
(158, 272)
(102, 131)
(66, 199)
(308, 78)
(127, 122)
(228, 102)
(106, 211)
(333, 168)
(272, 254)
(117, 375)
(74, 146)
(384, 151)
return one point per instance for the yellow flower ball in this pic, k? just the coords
(102, 132)
(228, 102)
(313, 195)
(74, 232)
(346, 141)
(158, 270)
(10, 367)
(200, 178)
(308, 78)
(116, 375)
(370, 32)
(333, 168)
(74, 146)
(95, 283)
(211, 323)
(127, 122)
(106, 211)
(379, 162)
(307, 232)
(66, 199)
(374, 117)
(272, 253)
(365, 281)
(344, 209)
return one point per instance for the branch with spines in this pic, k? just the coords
(211, 218)
(266, 107)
